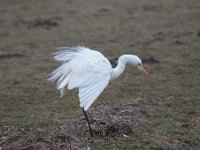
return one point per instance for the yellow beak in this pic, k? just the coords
(143, 70)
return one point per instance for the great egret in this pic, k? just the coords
(89, 71)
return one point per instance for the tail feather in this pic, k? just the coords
(62, 92)
(64, 81)
(66, 55)
(57, 73)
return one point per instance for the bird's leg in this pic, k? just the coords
(86, 117)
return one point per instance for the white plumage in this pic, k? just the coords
(88, 70)
(82, 68)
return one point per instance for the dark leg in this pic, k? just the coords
(86, 117)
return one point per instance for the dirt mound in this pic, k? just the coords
(112, 122)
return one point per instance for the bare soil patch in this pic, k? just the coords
(12, 55)
(47, 23)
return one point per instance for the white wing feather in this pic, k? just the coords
(82, 68)
(89, 94)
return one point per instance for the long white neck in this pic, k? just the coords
(123, 60)
(117, 71)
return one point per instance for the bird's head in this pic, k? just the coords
(137, 62)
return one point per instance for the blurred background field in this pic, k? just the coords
(166, 31)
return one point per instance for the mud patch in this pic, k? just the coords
(178, 42)
(198, 34)
(11, 55)
(41, 23)
(150, 60)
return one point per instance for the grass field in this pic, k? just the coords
(163, 110)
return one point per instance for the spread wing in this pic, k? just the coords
(82, 68)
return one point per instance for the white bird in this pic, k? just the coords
(89, 71)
